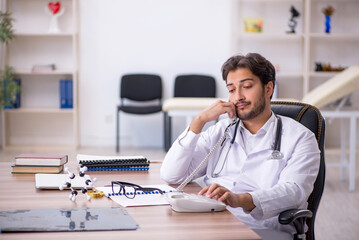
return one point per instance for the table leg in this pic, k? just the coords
(343, 146)
(352, 153)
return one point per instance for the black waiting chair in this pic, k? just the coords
(195, 86)
(310, 117)
(139, 89)
(192, 85)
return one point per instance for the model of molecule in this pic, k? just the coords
(87, 183)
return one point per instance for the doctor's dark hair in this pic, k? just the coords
(256, 63)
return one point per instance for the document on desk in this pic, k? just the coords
(149, 199)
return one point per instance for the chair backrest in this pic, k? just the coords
(141, 87)
(310, 117)
(195, 86)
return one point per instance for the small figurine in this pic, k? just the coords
(328, 12)
(292, 22)
(87, 183)
(327, 67)
(55, 11)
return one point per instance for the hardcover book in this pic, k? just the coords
(36, 169)
(41, 159)
(66, 93)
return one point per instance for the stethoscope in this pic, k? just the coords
(276, 154)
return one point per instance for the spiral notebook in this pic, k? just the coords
(113, 163)
(141, 199)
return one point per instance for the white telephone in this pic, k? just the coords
(184, 202)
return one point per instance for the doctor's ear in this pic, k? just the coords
(269, 89)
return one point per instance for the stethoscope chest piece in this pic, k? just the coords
(277, 154)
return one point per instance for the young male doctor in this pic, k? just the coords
(242, 172)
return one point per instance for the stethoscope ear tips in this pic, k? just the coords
(277, 155)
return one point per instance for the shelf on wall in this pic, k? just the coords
(335, 36)
(323, 74)
(270, 36)
(38, 147)
(29, 34)
(55, 72)
(40, 110)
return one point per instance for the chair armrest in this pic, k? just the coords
(298, 218)
(288, 216)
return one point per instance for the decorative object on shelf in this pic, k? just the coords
(277, 68)
(55, 11)
(292, 22)
(39, 68)
(87, 183)
(326, 67)
(328, 12)
(253, 25)
(9, 89)
(6, 31)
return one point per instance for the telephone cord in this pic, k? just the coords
(205, 160)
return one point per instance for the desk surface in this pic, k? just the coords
(155, 222)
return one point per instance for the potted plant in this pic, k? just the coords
(9, 88)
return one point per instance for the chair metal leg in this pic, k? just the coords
(169, 122)
(168, 130)
(118, 131)
(165, 130)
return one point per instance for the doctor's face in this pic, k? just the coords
(247, 93)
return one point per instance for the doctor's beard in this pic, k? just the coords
(257, 109)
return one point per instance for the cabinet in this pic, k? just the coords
(295, 54)
(40, 122)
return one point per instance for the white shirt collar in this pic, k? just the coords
(262, 131)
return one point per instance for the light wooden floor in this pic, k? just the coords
(338, 214)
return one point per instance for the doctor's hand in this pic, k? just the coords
(212, 113)
(216, 191)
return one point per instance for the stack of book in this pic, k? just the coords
(39, 68)
(113, 163)
(39, 163)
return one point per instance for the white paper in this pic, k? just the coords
(140, 199)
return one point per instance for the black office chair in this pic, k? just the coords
(192, 85)
(139, 88)
(310, 117)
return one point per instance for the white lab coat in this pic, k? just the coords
(275, 184)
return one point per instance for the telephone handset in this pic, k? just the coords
(184, 202)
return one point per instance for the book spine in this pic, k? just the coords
(63, 102)
(69, 94)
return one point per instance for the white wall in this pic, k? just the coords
(165, 37)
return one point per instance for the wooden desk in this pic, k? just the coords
(155, 222)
